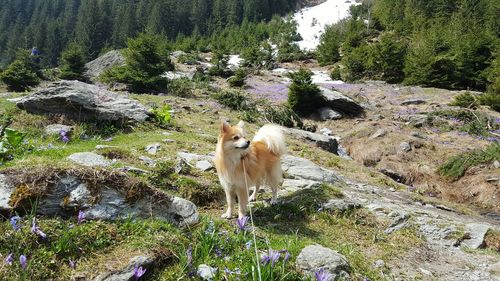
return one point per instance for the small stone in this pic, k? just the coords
(168, 141)
(496, 164)
(378, 134)
(379, 264)
(89, 159)
(426, 272)
(204, 165)
(404, 146)
(417, 135)
(340, 205)
(326, 131)
(153, 148)
(413, 102)
(206, 272)
(315, 257)
(326, 113)
(148, 161)
(103, 146)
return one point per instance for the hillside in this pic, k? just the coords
(107, 166)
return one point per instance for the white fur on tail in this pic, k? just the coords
(272, 136)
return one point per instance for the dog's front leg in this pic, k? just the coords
(230, 198)
(254, 194)
(242, 201)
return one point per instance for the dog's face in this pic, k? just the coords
(233, 138)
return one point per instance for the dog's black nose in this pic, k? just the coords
(248, 142)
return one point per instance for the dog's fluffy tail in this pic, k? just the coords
(272, 136)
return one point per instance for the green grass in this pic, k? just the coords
(457, 165)
(472, 122)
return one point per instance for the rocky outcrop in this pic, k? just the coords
(322, 141)
(201, 162)
(89, 159)
(84, 102)
(96, 67)
(127, 272)
(316, 257)
(101, 194)
(300, 168)
(341, 103)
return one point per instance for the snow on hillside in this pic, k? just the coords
(311, 21)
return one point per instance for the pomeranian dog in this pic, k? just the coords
(259, 159)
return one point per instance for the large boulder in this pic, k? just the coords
(316, 257)
(101, 194)
(327, 143)
(96, 67)
(84, 102)
(341, 103)
(301, 168)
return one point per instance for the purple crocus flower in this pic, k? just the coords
(14, 221)
(36, 230)
(81, 217)
(64, 136)
(322, 275)
(72, 263)
(248, 244)
(9, 259)
(287, 255)
(272, 257)
(23, 261)
(241, 223)
(139, 272)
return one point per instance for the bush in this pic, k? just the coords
(181, 87)
(491, 99)
(355, 63)
(456, 166)
(189, 59)
(386, 58)
(238, 80)
(146, 59)
(235, 100)
(72, 63)
(281, 115)
(335, 74)
(329, 48)
(465, 100)
(162, 115)
(304, 97)
(23, 73)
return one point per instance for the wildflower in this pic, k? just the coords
(248, 244)
(287, 255)
(64, 136)
(23, 261)
(139, 272)
(241, 223)
(211, 227)
(218, 251)
(322, 275)
(81, 217)
(72, 263)
(14, 221)
(9, 259)
(36, 230)
(272, 257)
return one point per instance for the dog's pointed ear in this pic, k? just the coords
(224, 126)
(241, 124)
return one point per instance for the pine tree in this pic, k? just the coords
(73, 63)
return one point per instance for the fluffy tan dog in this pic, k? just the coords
(260, 158)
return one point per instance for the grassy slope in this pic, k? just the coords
(97, 246)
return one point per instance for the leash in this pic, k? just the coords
(251, 221)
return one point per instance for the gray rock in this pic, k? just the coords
(172, 75)
(126, 273)
(326, 113)
(153, 148)
(6, 191)
(378, 134)
(327, 143)
(379, 264)
(400, 220)
(495, 270)
(168, 141)
(204, 165)
(340, 205)
(496, 164)
(413, 102)
(417, 135)
(89, 159)
(300, 168)
(315, 257)
(206, 272)
(191, 157)
(103, 201)
(475, 234)
(396, 176)
(326, 131)
(291, 186)
(103, 146)
(418, 121)
(148, 161)
(55, 129)
(177, 54)
(84, 102)
(404, 146)
(341, 103)
(96, 67)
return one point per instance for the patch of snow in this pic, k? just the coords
(311, 21)
(323, 77)
(234, 60)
